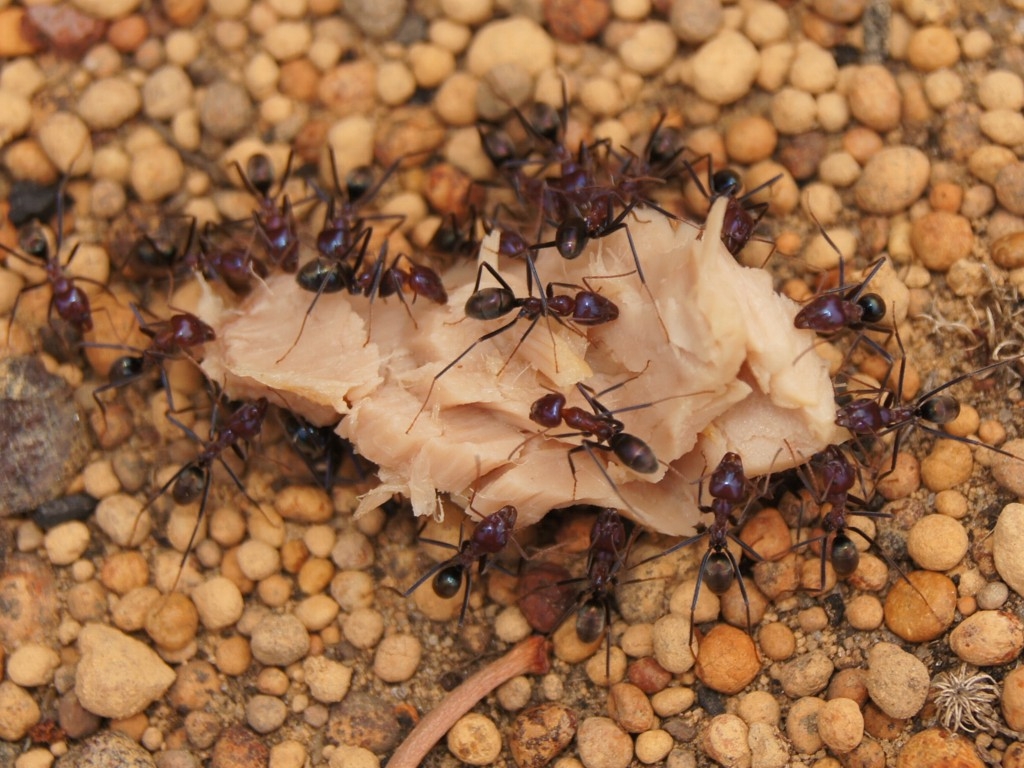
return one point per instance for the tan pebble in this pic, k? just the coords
(316, 612)
(455, 100)
(474, 740)
(118, 676)
(258, 560)
(724, 68)
(988, 638)
(1013, 699)
(793, 111)
(849, 684)
(279, 640)
(802, 724)
(649, 49)
(938, 748)
(775, 61)
(897, 681)
(993, 596)
(397, 658)
(328, 680)
(922, 609)
(949, 464)
(1009, 186)
(515, 694)
(517, 40)
(766, 23)
(157, 173)
(725, 741)
(904, 480)
(874, 98)
(892, 179)
(1001, 89)
(673, 701)
(937, 542)
(1007, 469)
(288, 754)
(1008, 251)
(606, 668)
(233, 656)
(315, 575)
(750, 139)
(766, 533)
(602, 744)
(988, 160)
(1003, 126)
(349, 88)
(695, 21)
(865, 612)
(630, 708)
(67, 542)
(14, 37)
(65, 139)
(172, 622)
(18, 711)
(681, 602)
(540, 733)
(951, 503)
(671, 644)
(352, 590)
(966, 423)
(777, 641)
(1007, 544)
(759, 707)
(943, 88)
(124, 571)
(841, 725)
(778, 579)
(932, 48)
(784, 196)
(727, 660)
(265, 714)
(395, 83)
(107, 104)
(32, 664)
(648, 675)
(304, 504)
(345, 756)
(940, 239)
(814, 69)
(287, 40)
(807, 674)
(653, 746)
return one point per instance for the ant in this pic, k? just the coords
(585, 308)
(728, 486)
(231, 263)
(70, 302)
(274, 221)
(192, 481)
(741, 215)
(490, 536)
(170, 339)
(599, 428)
(884, 414)
(321, 449)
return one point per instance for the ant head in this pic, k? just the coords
(125, 369)
(665, 145)
(547, 410)
(189, 330)
(718, 572)
(545, 121)
(33, 241)
(728, 482)
(498, 146)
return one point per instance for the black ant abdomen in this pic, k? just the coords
(448, 581)
(634, 453)
(719, 573)
(591, 620)
(490, 303)
(845, 556)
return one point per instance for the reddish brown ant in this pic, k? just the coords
(490, 536)
(274, 221)
(741, 216)
(885, 414)
(728, 486)
(322, 450)
(232, 263)
(585, 308)
(171, 339)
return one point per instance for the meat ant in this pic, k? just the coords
(232, 263)
(586, 308)
(885, 414)
(274, 221)
(728, 486)
(70, 302)
(192, 480)
(490, 536)
(171, 339)
(321, 449)
(741, 215)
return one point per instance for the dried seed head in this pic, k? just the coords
(965, 700)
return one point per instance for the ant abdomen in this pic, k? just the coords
(941, 409)
(448, 581)
(590, 620)
(634, 453)
(189, 485)
(324, 277)
(490, 303)
(719, 573)
(845, 556)
(571, 237)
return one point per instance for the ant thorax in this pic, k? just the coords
(440, 398)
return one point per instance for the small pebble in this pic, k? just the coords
(1013, 699)
(576, 22)
(1008, 251)
(933, 48)
(630, 708)
(897, 681)
(32, 665)
(265, 714)
(759, 707)
(109, 103)
(802, 724)
(67, 542)
(316, 613)
(938, 747)
(904, 480)
(65, 139)
(107, 749)
(258, 560)
(1009, 185)
(157, 172)
(363, 627)
(725, 67)
(937, 542)
(777, 641)
(345, 756)
(940, 239)
(841, 725)
(397, 658)
(600, 743)
(992, 596)
(807, 674)
(874, 98)
(725, 741)
(279, 640)
(893, 178)
(651, 48)
(653, 746)
(1007, 469)
(648, 675)
(988, 638)
(727, 660)
(117, 675)
(172, 622)
(219, 603)
(540, 733)
(671, 645)
(865, 612)
(238, 747)
(474, 740)
(949, 464)
(922, 609)
(673, 701)
(287, 40)
(516, 40)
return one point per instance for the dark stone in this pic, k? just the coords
(363, 720)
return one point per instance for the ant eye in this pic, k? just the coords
(448, 582)
(941, 409)
(718, 573)
(873, 307)
(845, 556)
